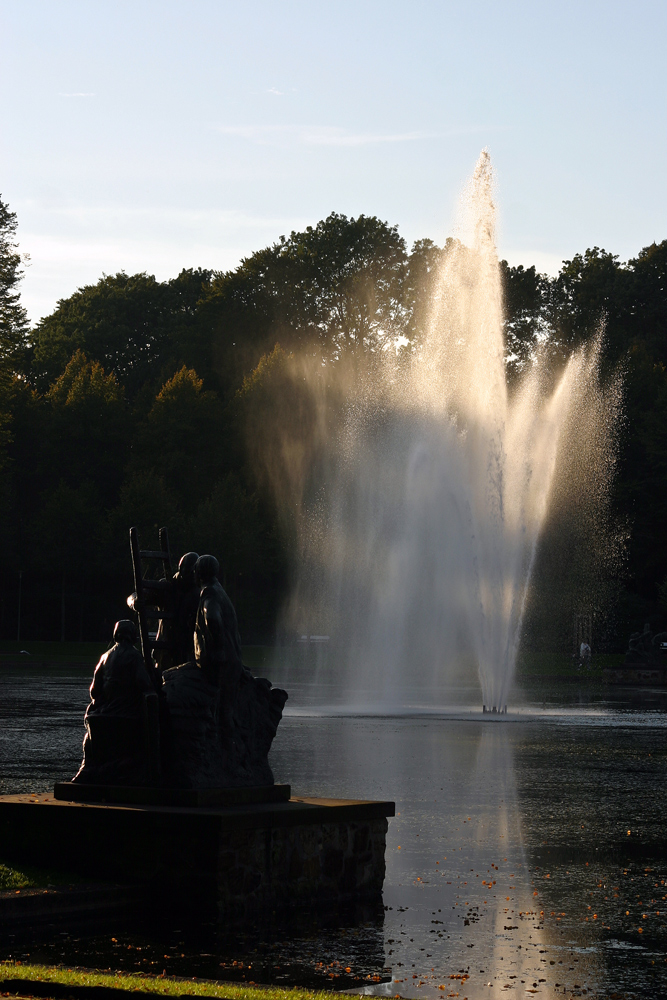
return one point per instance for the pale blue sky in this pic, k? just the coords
(159, 135)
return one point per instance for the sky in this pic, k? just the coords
(153, 136)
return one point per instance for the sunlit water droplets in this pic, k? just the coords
(438, 484)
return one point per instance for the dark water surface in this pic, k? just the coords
(527, 854)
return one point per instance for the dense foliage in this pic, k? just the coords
(131, 403)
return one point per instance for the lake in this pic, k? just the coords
(527, 853)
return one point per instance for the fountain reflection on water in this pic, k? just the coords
(418, 544)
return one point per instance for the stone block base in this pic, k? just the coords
(244, 860)
(325, 862)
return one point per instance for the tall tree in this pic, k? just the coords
(13, 317)
(66, 535)
(13, 321)
(589, 291)
(334, 288)
(423, 269)
(136, 327)
(646, 312)
(183, 438)
(88, 426)
(526, 299)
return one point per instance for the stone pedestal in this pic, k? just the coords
(244, 859)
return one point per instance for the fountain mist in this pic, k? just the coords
(419, 531)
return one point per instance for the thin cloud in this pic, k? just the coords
(279, 93)
(110, 219)
(76, 94)
(266, 135)
(251, 132)
(339, 137)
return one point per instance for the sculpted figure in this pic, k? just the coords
(217, 641)
(223, 720)
(179, 598)
(204, 723)
(181, 602)
(120, 679)
(646, 649)
(114, 747)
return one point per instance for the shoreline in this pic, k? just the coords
(59, 983)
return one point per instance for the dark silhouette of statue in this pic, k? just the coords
(179, 600)
(223, 720)
(217, 641)
(206, 722)
(123, 707)
(646, 649)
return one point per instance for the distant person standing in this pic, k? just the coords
(585, 654)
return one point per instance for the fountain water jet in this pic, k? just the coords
(418, 546)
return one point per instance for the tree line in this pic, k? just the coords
(132, 402)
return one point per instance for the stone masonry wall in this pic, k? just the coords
(327, 863)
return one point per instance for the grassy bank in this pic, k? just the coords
(531, 665)
(163, 986)
(14, 878)
(544, 666)
(83, 653)
(65, 652)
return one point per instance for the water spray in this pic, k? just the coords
(418, 541)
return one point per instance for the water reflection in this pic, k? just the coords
(508, 862)
(41, 727)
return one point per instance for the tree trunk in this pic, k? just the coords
(62, 611)
(18, 619)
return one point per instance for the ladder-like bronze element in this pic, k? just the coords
(146, 589)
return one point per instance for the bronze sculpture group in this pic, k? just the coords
(185, 712)
(646, 649)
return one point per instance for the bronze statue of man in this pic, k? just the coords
(120, 679)
(222, 719)
(179, 599)
(181, 602)
(113, 748)
(217, 641)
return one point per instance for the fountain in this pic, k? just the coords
(419, 539)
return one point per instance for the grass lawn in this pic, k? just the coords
(27, 877)
(150, 984)
(12, 878)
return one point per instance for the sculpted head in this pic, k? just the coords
(206, 570)
(125, 630)
(186, 568)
